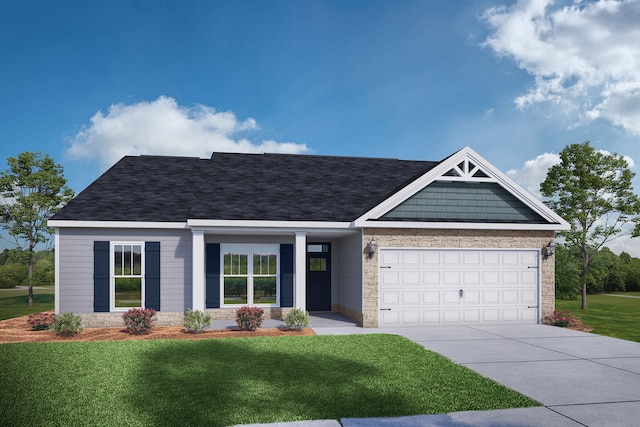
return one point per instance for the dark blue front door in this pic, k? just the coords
(319, 277)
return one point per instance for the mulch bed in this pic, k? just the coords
(18, 330)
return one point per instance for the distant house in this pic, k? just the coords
(385, 242)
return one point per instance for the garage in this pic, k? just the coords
(421, 287)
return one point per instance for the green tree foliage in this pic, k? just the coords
(591, 190)
(605, 273)
(12, 275)
(631, 269)
(567, 272)
(33, 188)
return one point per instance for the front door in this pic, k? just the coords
(319, 277)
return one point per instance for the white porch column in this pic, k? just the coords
(197, 271)
(300, 253)
(56, 287)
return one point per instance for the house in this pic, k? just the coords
(384, 242)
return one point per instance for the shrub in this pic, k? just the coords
(561, 318)
(249, 318)
(41, 321)
(195, 321)
(67, 324)
(138, 321)
(297, 319)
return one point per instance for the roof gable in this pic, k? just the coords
(466, 189)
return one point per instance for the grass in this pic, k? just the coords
(611, 316)
(221, 382)
(14, 302)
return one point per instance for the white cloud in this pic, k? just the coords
(533, 172)
(162, 127)
(584, 56)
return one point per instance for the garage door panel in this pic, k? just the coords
(430, 258)
(423, 287)
(471, 297)
(529, 277)
(509, 315)
(431, 317)
(471, 316)
(509, 296)
(450, 278)
(450, 258)
(390, 318)
(528, 297)
(411, 317)
(470, 259)
(490, 297)
(390, 298)
(529, 315)
(450, 297)
(431, 298)
(411, 298)
(529, 259)
(389, 258)
(410, 278)
(490, 259)
(470, 278)
(490, 278)
(491, 315)
(509, 278)
(450, 316)
(410, 259)
(431, 278)
(389, 278)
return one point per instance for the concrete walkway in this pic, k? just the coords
(581, 379)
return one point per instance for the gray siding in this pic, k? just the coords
(349, 269)
(76, 265)
(464, 201)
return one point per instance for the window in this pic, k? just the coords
(250, 274)
(127, 279)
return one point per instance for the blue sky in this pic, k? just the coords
(88, 82)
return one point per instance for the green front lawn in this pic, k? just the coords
(220, 382)
(13, 302)
(616, 317)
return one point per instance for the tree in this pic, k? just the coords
(33, 189)
(567, 273)
(605, 273)
(592, 191)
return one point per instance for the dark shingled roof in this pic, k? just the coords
(275, 187)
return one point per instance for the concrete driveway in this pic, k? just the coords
(580, 378)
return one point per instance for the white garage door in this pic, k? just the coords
(452, 287)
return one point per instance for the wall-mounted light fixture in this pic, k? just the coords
(549, 250)
(372, 247)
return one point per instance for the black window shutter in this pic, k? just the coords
(286, 275)
(152, 275)
(101, 276)
(212, 271)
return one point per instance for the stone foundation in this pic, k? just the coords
(114, 320)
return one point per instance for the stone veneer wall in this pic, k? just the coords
(114, 320)
(421, 238)
(347, 312)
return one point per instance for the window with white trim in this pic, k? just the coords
(250, 275)
(127, 278)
